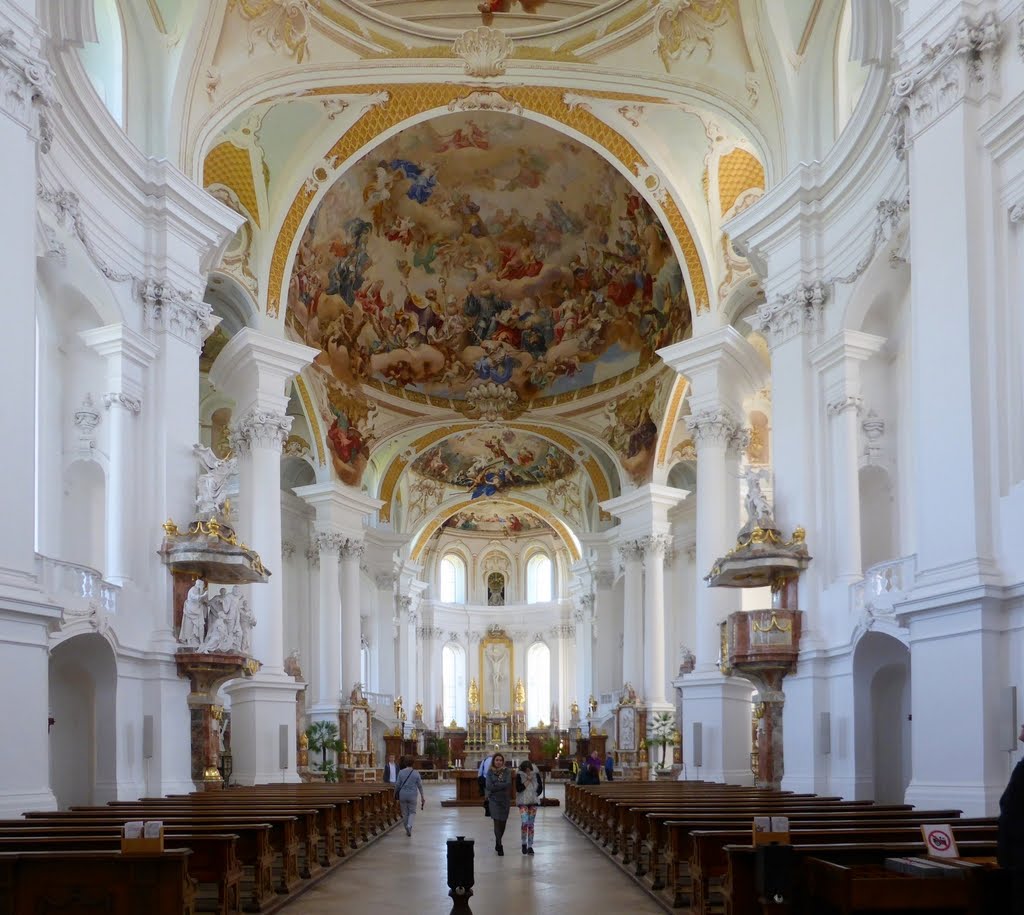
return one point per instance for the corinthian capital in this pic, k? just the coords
(790, 314)
(656, 545)
(26, 88)
(352, 547)
(964, 65)
(328, 542)
(175, 311)
(714, 426)
(631, 550)
(259, 428)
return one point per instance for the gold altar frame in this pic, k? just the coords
(486, 702)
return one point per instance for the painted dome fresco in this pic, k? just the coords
(490, 460)
(440, 16)
(496, 518)
(485, 248)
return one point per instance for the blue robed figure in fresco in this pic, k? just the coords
(423, 181)
(345, 278)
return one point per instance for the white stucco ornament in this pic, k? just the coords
(484, 51)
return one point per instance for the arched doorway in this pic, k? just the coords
(881, 682)
(83, 740)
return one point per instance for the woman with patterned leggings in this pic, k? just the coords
(529, 788)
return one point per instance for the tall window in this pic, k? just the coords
(453, 684)
(538, 684)
(538, 579)
(364, 666)
(452, 575)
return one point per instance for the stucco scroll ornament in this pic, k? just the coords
(716, 426)
(485, 101)
(651, 179)
(964, 64)
(756, 504)
(1017, 212)
(283, 23)
(681, 25)
(484, 51)
(888, 213)
(26, 88)
(67, 208)
(259, 428)
(212, 482)
(790, 314)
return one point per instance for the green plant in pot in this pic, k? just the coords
(437, 749)
(323, 737)
(549, 746)
(662, 734)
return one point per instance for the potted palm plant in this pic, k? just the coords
(323, 736)
(663, 735)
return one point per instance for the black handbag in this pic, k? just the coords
(487, 808)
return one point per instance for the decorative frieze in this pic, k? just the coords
(26, 89)
(964, 65)
(258, 428)
(482, 100)
(132, 404)
(176, 312)
(791, 314)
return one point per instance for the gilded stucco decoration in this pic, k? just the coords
(681, 25)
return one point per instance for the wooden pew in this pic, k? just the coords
(740, 895)
(213, 859)
(107, 881)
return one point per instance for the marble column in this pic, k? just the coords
(608, 659)
(408, 615)
(127, 355)
(257, 370)
(24, 613)
(328, 693)
(632, 613)
(655, 548)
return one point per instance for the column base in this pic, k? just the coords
(324, 712)
(721, 706)
(259, 708)
(13, 805)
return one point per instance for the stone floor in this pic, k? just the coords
(398, 874)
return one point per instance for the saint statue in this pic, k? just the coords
(592, 703)
(398, 709)
(520, 695)
(246, 622)
(224, 634)
(212, 484)
(759, 512)
(193, 616)
(418, 712)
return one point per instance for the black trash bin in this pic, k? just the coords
(460, 872)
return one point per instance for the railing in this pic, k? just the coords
(385, 699)
(80, 587)
(884, 585)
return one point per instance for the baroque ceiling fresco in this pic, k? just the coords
(497, 518)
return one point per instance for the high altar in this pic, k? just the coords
(497, 709)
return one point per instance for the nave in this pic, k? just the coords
(402, 875)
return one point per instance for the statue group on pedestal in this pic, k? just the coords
(222, 623)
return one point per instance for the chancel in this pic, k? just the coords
(559, 379)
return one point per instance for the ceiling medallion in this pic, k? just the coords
(492, 402)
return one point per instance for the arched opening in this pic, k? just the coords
(452, 579)
(453, 683)
(539, 575)
(495, 589)
(103, 59)
(538, 683)
(84, 532)
(881, 739)
(877, 537)
(83, 737)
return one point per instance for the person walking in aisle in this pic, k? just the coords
(609, 767)
(529, 788)
(407, 784)
(499, 798)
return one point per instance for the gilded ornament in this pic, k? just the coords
(171, 529)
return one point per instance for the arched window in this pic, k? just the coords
(538, 683)
(103, 60)
(452, 579)
(364, 665)
(538, 579)
(453, 683)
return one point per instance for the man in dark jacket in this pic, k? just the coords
(390, 770)
(1011, 832)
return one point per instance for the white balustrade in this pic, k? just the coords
(383, 699)
(79, 587)
(884, 585)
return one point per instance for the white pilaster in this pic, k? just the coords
(655, 548)
(351, 626)
(128, 356)
(632, 612)
(583, 617)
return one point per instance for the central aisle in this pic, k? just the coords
(399, 875)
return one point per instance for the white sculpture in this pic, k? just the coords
(193, 616)
(359, 731)
(759, 512)
(212, 486)
(496, 656)
(246, 620)
(225, 631)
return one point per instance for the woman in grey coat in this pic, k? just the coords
(407, 784)
(499, 798)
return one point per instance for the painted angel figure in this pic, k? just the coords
(212, 485)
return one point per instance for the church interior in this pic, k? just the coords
(437, 379)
